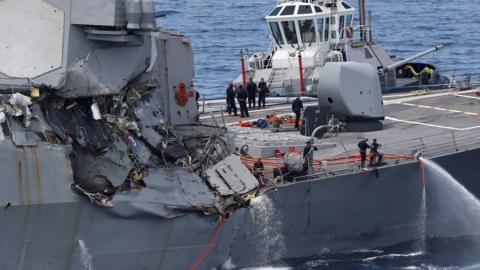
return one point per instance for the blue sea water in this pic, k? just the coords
(219, 29)
(458, 253)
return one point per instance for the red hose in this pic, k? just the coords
(210, 246)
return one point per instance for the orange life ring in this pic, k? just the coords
(181, 94)
(349, 32)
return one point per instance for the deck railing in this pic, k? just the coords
(428, 146)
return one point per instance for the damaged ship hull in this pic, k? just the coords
(338, 214)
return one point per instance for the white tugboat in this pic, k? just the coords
(308, 34)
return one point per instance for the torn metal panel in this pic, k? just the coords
(149, 111)
(178, 188)
(117, 154)
(38, 122)
(24, 138)
(230, 177)
(152, 136)
(175, 151)
(95, 75)
(114, 166)
(140, 150)
(169, 193)
(78, 125)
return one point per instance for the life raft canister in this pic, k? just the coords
(349, 32)
(181, 94)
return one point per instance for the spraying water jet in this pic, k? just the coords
(86, 258)
(267, 233)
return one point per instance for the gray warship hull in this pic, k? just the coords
(338, 214)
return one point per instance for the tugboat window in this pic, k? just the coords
(307, 31)
(334, 34)
(326, 32)
(341, 26)
(275, 11)
(288, 10)
(332, 20)
(320, 29)
(346, 6)
(349, 20)
(318, 9)
(277, 34)
(290, 32)
(304, 9)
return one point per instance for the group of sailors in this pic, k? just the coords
(246, 94)
(375, 155)
(376, 158)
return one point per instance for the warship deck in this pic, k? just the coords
(434, 123)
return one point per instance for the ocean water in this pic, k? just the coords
(219, 29)
(456, 253)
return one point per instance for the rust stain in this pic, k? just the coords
(68, 165)
(27, 176)
(38, 176)
(20, 182)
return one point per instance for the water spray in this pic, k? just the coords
(86, 258)
(422, 161)
(423, 209)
